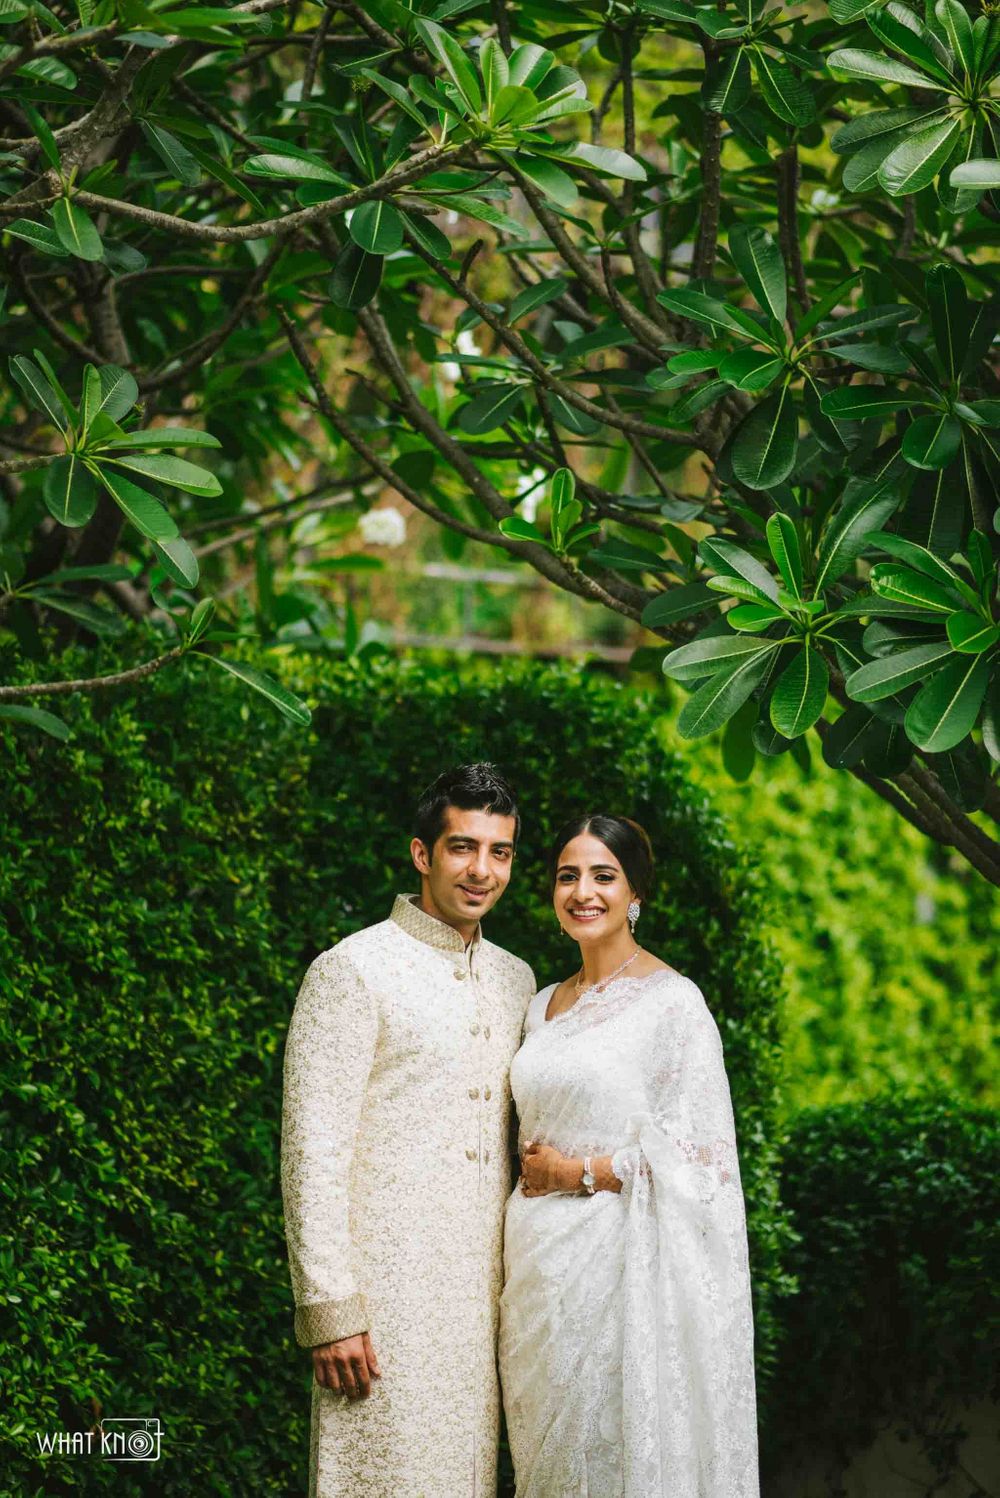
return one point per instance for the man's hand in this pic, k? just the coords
(544, 1169)
(347, 1366)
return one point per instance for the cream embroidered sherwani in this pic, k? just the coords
(395, 1171)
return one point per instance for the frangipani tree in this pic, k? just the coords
(730, 275)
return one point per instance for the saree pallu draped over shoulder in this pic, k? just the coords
(626, 1341)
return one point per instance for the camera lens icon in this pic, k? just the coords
(131, 1439)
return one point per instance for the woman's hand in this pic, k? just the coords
(544, 1169)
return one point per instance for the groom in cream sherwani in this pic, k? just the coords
(395, 1167)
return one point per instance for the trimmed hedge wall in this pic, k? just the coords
(897, 1322)
(168, 875)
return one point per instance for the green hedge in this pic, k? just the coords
(895, 1204)
(887, 940)
(168, 875)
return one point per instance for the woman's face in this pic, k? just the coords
(591, 895)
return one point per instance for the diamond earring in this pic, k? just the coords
(633, 914)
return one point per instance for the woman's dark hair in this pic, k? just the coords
(478, 787)
(621, 836)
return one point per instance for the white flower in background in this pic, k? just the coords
(386, 527)
(465, 343)
(822, 199)
(528, 510)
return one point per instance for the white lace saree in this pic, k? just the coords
(626, 1329)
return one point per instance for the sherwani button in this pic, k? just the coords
(473, 1029)
(460, 973)
(473, 1092)
(486, 1032)
(470, 1154)
(487, 1094)
(486, 1157)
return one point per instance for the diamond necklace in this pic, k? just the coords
(600, 986)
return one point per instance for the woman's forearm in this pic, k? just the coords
(600, 1166)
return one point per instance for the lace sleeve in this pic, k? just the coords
(328, 1057)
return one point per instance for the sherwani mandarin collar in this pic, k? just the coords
(427, 928)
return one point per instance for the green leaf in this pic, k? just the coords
(69, 491)
(916, 161)
(176, 472)
(958, 27)
(727, 91)
(551, 179)
(754, 617)
(874, 67)
(923, 560)
(846, 532)
(286, 703)
(36, 387)
(176, 158)
(377, 227)
(932, 441)
(603, 159)
(844, 745)
(891, 673)
(76, 230)
(201, 617)
(711, 654)
(494, 67)
(35, 717)
(951, 319)
(881, 123)
(454, 61)
(710, 706)
(99, 621)
(177, 560)
(301, 168)
(901, 31)
(766, 441)
(890, 580)
(145, 513)
(971, 633)
(103, 572)
(981, 173)
(46, 139)
(800, 693)
(427, 235)
(356, 277)
(522, 530)
(678, 603)
(861, 402)
(758, 260)
(163, 437)
(783, 539)
(944, 711)
(39, 236)
(622, 556)
(535, 296)
(118, 394)
(490, 410)
(731, 560)
(750, 369)
(710, 312)
(784, 93)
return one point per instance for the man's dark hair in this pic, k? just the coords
(478, 787)
(624, 838)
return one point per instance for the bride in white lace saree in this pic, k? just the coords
(626, 1330)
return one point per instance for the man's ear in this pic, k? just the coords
(420, 856)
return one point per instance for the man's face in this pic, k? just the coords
(470, 867)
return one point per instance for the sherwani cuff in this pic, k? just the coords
(330, 1320)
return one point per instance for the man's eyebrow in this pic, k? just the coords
(463, 837)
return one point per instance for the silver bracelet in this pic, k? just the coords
(589, 1179)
